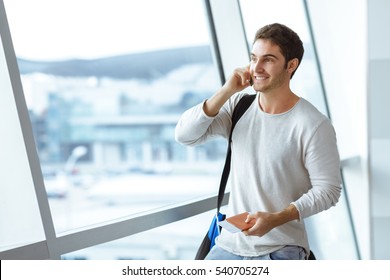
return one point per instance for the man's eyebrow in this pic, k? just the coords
(265, 55)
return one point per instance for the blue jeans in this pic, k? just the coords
(285, 253)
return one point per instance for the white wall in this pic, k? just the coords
(340, 30)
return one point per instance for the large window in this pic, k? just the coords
(105, 83)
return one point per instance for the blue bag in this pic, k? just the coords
(215, 229)
(209, 239)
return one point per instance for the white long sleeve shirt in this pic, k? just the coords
(277, 160)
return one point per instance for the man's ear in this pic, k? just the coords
(292, 65)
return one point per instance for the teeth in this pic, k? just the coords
(260, 78)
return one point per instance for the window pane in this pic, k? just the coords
(19, 225)
(106, 82)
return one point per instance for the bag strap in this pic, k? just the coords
(238, 111)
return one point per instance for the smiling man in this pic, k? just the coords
(285, 164)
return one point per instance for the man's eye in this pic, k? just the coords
(268, 60)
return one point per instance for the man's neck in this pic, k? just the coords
(277, 102)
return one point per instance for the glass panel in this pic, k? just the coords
(335, 240)
(19, 225)
(106, 82)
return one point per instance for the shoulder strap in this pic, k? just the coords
(238, 111)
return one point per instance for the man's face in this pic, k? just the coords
(267, 67)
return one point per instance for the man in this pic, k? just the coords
(285, 164)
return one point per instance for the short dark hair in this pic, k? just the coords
(288, 41)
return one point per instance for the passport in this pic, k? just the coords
(237, 223)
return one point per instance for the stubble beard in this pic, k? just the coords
(273, 83)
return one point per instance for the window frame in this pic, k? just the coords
(55, 245)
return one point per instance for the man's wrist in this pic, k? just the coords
(290, 213)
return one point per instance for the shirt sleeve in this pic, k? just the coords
(195, 127)
(323, 164)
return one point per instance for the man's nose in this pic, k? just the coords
(257, 67)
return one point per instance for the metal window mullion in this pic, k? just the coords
(229, 33)
(27, 132)
(70, 242)
(214, 41)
